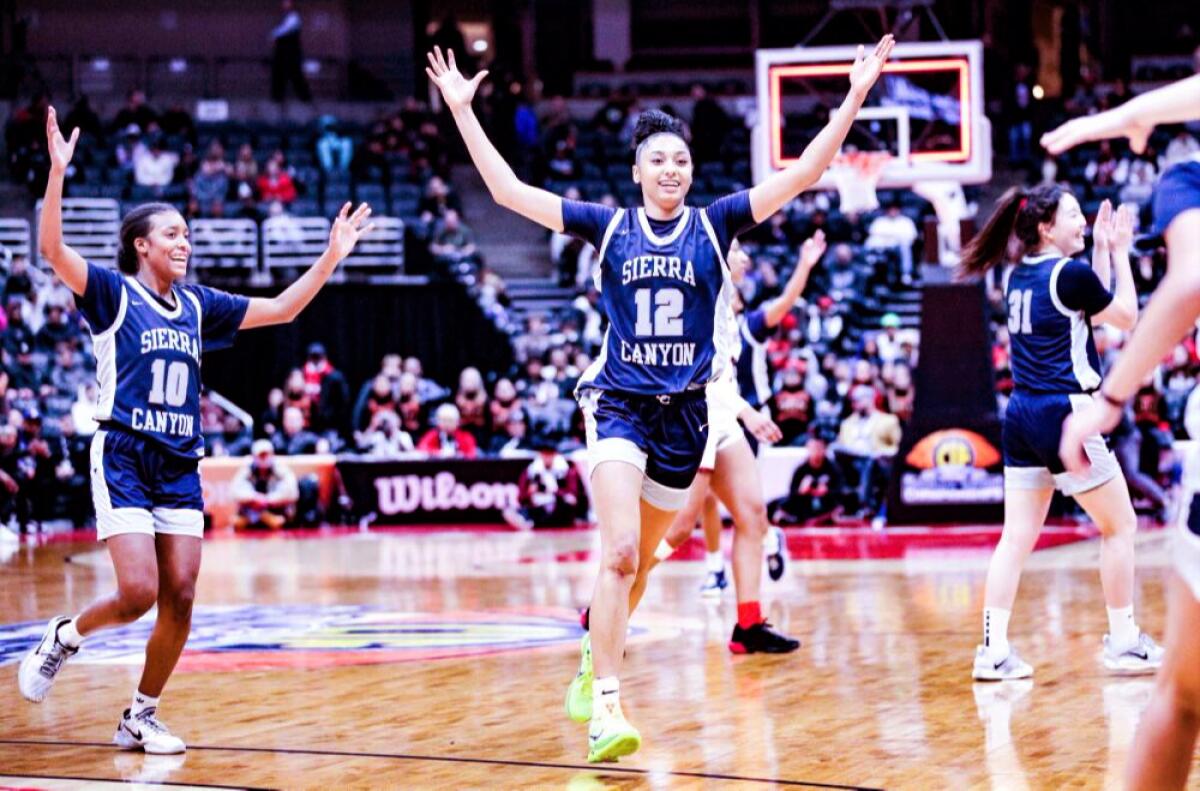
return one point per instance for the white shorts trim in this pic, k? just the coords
(1028, 478)
(662, 497)
(179, 522)
(120, 521)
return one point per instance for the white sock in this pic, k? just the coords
(995, 631)
(1123, 631)
(141, 703)
(606, 694)
(714, 561)
(68, 635)
(664, 550)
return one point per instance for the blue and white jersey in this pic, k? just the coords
(148, 353)
(753, 372)
(666, 290)
(1050, 304)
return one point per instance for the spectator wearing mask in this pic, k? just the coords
(446, 439)
(792, 405)
(504, 402)
(550, 491)
(25, 374)
(266, 491)
(293, 439)
(817, 490)
(409, 406)
(384, 438)
(296, 393)
(377, 394)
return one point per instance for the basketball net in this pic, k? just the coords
(857, 174)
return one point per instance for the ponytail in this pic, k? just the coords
(1019, 211)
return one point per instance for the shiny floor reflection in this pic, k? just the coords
(438, 659)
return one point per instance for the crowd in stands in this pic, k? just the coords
(842, 360)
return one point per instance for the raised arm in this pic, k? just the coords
(539, 205)
(775, 191)
(810, 253)
(1122, 312)
(67, 264)
(1136, 119)
(347, 230)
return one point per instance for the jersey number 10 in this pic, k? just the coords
(668, 312)
(170, 383)
(1019, 302)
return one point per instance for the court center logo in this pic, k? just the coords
(263, 637)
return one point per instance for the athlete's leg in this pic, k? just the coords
(178, 567)
(655, 525)
(616, 488)
(710, 520)
(136, 564)
(1109, 507)
(682, 524)
(736, 482)
(1166, 739)
(1026, 504)
(1025, 513)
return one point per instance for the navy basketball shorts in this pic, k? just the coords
(1177, 191)
(1032, 432)
(1185, 545)
(137, 487)
(663, 436)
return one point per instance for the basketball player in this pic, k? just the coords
(1165, 743)
(1053, 302)
(148, 329)
(728, 468)
(665, 288)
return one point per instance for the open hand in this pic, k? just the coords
(1117, 122)
(1122, 229)
(1097, 417)
(867, 68)
(1102, 229)
(61, 150)
(812, 250)
(457, 90)
(762, 427)
(348, 229)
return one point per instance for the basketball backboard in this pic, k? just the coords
(926, 110)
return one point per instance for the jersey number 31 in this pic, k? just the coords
(1019, 302)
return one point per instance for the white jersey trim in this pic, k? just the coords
(104, 346)
(199, 319)
(661, 241)
(724, 323)
(1088, 377)
(598, 274)
(153, 301)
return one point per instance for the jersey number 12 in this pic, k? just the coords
(668, 312)
(1019, 302)
(170, 383)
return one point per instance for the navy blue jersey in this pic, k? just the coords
(148, 353)
(1050, 304)
(666, 290)
(753, 373)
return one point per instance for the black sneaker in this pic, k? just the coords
(585, 619)
(761, 639)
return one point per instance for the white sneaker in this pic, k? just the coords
(145, 732)
(40, 666)
(1145, 656)
(715, 583)
(518, 520)
(1008, 668)
(8, 536)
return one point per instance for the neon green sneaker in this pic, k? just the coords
(610, 737)
(579, 694)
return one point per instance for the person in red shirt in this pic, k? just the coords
(275, 184)
(446, 439)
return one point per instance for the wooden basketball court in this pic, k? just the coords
(439, 659)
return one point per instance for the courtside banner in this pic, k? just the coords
(433, 491)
